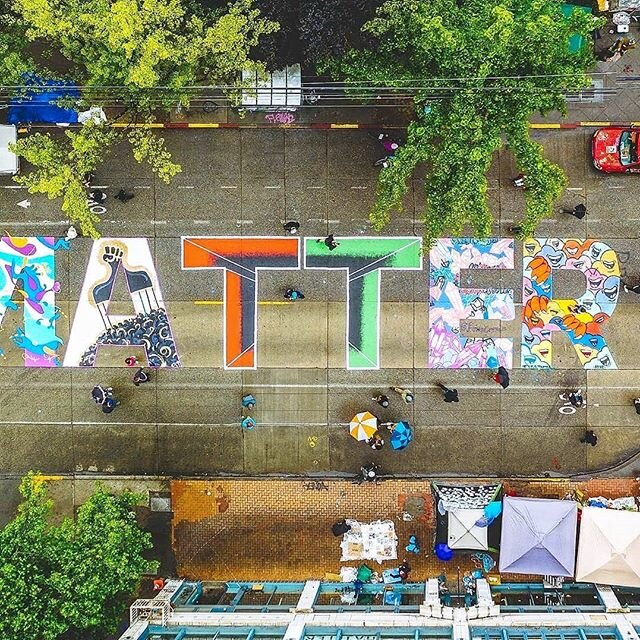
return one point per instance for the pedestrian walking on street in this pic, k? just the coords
(589, 438)
(636, 404)
(369, 472)
(131, 361)
(575, 398)
(291, 227)
(631, 288)
(406, 394)
(450, 395)
(248, 401)
(100, 393)
(293, 294)
(382, 400)
(123, 196)
(98, 196)
(501, 377)
(329, 241)
(579, 211)
(340, 527)
(109, 404)
(248, 423)
(72, 234)
(376, 441)
(140, 377)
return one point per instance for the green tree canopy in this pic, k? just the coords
(483, 67)
(74, 578)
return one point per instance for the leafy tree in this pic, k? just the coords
(311, 30)
(141, 55)
(483, 67)
(71, 579)
(60, 165)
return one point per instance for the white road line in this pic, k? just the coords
(615, 186)
(201, 221)
(11, 186)
(239, 222)
(273, 187)
(575, 188)
(316, 187)
(229, 186)
(143, 187)
(186, 187)
(359, 187)
(159, 222)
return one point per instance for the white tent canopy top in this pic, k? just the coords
(609, 547)
(463, 531)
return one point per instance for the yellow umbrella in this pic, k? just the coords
(363, 425)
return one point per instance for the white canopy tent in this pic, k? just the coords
(609, 547)
(463, 531)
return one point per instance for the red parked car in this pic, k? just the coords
(615, 150)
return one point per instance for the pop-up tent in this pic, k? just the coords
(463, 531)
(40, 103)
(538, 536)
(609, 547)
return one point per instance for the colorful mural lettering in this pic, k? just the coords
(449, 304)
(364, 259)
(581, 319)
(28, 268)
(94, 327)
(241, 258)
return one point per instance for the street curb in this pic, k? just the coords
(345, 125)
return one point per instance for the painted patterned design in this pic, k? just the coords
(94, 326)
(363, 260)
(241, 258)
(449, 304)
(581, 319)
(28, 267)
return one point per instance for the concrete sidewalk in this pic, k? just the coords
(281, 530)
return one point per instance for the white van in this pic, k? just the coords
(9, 161)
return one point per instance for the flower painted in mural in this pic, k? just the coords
(580, 318)
(449, 304)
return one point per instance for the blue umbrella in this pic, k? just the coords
(401, 435)
(443, 552)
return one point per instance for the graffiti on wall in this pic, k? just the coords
(28, 280)
(450, 304)
(241, 259)
(363, 260)
(93, 326)
(582, 318)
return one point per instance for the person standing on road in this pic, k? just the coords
(406, 394)
(248, 401)
(98, 196)
(293, 294)
(131, 361)
(636, 404)
(382, 400)
(376, 442)
(589, 438)
(329, 241)
(123, 196)
(576, 399)
(291, 227)
(72, 234)
(579, 211)
(109, 404)
(450, 395)
(140, 377)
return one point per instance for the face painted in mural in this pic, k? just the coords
(581, 319)
(27, 279)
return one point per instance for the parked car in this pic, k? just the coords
(615, 150)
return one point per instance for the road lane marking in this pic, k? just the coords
(229, 186)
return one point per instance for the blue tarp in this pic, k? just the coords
(39, 105)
